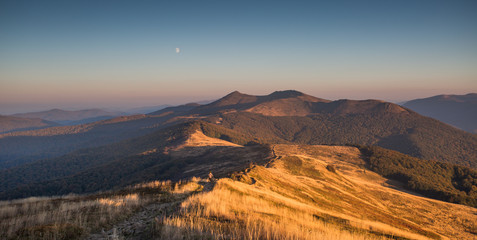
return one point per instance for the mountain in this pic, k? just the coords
(280, 165)
(291, 103)
(280, 117)
(65, 117)
(457, 110)
(406, 132)
(294, 117)
(175, 110)
(10, 124)
(21, 147)
(279, 103)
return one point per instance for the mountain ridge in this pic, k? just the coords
(70, 117)
(290, 103)
(457, 110)
(13, 124)
(280, 117)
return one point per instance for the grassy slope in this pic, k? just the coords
(299, 196)
(77, 217)
(306, 192)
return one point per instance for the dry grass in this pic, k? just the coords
(198, 139)
(297, 197)
(230, 211)
(74, 217)
(308, 192)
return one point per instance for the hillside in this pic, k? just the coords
(10, 124)
(173, 153)
(175, 110)
(457, 110)
(443, 181)
(406, 132)
(304, 192)
(22, 147)
(292, 116)
(66, 117)
(316, 192)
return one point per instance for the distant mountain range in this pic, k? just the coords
(457, 110)
(130, 149)
(145, 110)
(10, 123)
(65, 117)
(51, 118)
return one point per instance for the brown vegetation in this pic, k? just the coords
(298, 197)
(76, 217)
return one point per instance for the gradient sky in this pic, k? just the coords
(81, 54)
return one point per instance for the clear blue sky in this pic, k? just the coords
(76, 54)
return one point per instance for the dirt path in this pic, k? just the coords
(139, 226)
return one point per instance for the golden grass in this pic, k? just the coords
(298, 198)
(233, 211)
(198, 139)
(73, 217)
(308, 192)
(117, 201)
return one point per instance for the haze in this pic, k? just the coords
(124, 53)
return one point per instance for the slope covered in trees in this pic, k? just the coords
(18, 148)
(443, 181)
(407, 132)
(158, 155)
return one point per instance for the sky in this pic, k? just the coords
(121, 54)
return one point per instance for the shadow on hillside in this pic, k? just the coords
(399, 186)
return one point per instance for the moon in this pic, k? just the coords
(178, 50)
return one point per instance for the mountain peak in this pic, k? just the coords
(233, 98)
(286, 94)
(235, 93)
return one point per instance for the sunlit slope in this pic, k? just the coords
(317, 192)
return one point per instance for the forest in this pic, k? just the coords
(443, 181)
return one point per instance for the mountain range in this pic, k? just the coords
(65, 117)
(457, 110)
(9, 123)
(130, 149)
(321, 169)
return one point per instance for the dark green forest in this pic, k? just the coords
(443, 181)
